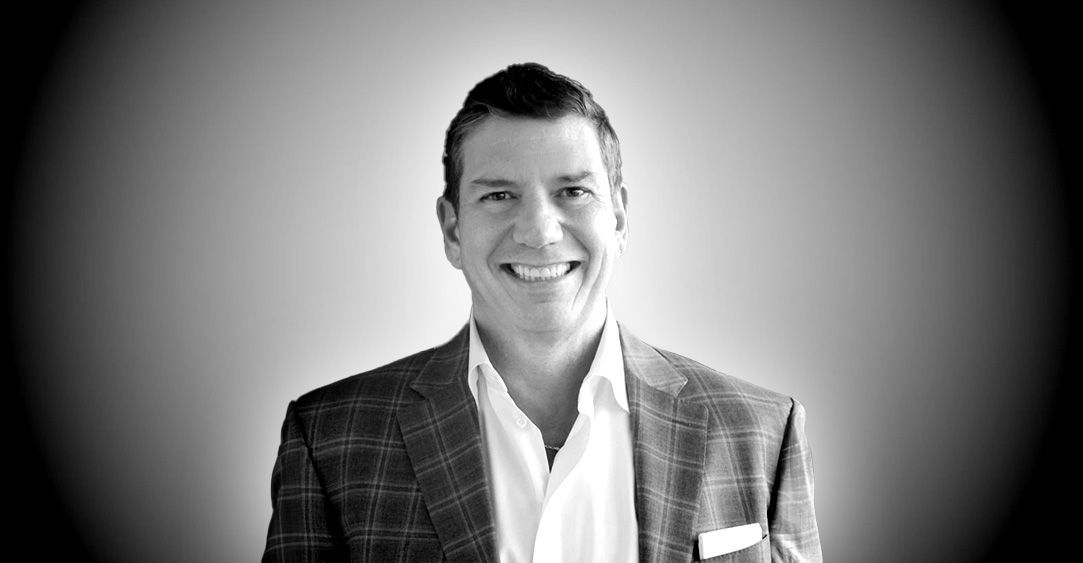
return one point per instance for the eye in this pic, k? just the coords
(496, 196)
(574, 192)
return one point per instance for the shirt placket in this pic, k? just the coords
(551, 530)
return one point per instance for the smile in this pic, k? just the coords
(548, 272)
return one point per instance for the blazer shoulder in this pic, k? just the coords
(387, 382)
(359, 405)
(708, 385)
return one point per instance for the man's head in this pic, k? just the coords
(527, 90)
(537, 216)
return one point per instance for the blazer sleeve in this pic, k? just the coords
(795, 536)
(300, 528)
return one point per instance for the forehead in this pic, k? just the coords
(525, 147)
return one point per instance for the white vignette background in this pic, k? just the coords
(229, 205)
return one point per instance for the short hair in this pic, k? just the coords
(527, 90)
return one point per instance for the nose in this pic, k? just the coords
(537, 224)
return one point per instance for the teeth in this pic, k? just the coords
(528, 273)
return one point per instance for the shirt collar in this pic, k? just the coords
(608, 362)
(479, 357)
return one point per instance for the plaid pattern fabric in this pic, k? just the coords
(711, 452)
(389, 466)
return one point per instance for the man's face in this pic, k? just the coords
(537, 230)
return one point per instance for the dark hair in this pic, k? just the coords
(526, 90)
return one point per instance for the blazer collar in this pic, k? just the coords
(669, 438)
(443, 440)
(643, 362)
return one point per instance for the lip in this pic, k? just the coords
(539, 271)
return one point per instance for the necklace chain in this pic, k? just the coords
(551, 448)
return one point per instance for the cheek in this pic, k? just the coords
(602, 216)
(477, 246)
(602, 230)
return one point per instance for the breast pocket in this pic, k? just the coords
(757, 553)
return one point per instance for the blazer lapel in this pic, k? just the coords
(443, 440)
(669, 445)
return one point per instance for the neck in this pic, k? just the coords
(544, 370)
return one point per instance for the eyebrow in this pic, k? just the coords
(492, 182)
(579, 177)
(503, 183)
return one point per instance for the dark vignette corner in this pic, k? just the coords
(39, 521)
(1039, 527)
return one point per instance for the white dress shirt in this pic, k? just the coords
(584, 508)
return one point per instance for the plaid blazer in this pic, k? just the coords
(388, 465)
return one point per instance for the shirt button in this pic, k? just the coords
(520, 422)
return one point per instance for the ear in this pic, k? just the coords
(449, 226)
(620, 212)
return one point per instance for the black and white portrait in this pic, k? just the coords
(215, 208)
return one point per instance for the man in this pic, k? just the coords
(544, 430)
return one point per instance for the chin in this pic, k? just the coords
(555, 318)
(548, 320)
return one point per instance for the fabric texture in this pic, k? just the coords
(388, 465)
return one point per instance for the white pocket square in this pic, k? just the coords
(728, 540)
